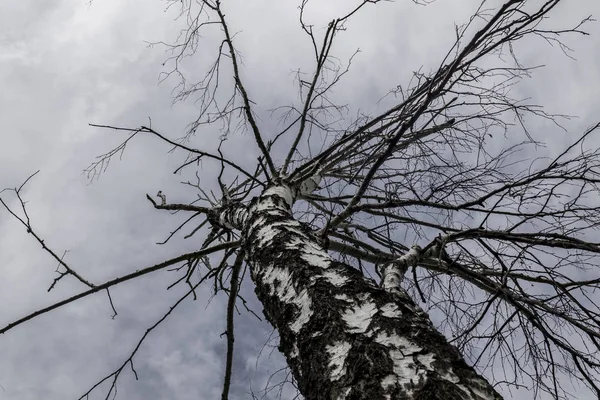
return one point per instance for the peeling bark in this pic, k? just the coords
(342, 335)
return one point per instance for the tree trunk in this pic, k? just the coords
(343, 336)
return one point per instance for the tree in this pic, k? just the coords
(496, 239)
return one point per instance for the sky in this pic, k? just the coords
(67, 63)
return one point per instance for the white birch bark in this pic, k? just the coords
(342, 335)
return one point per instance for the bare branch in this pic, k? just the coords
(119, 280)
(26, 222)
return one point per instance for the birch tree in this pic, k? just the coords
(500, 247)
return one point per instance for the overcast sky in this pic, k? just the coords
(66, 63)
